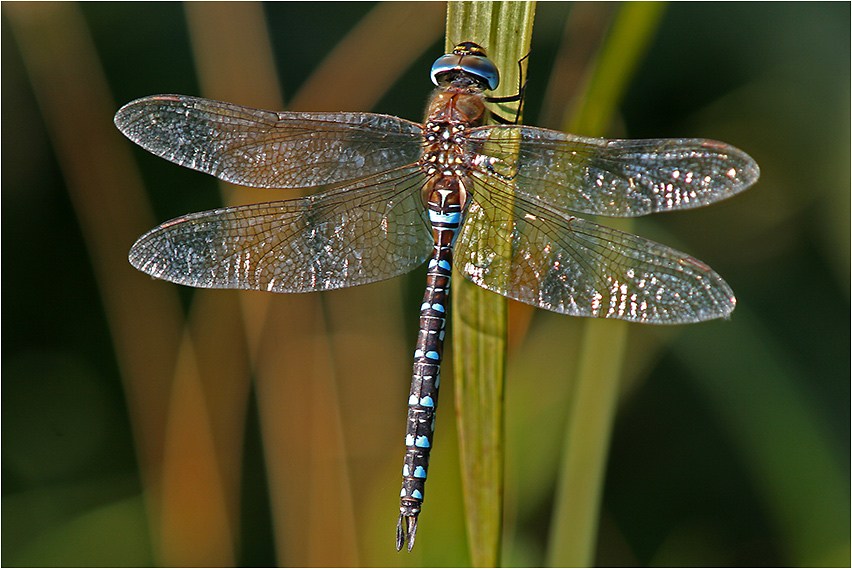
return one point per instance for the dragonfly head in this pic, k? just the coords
(468, 60)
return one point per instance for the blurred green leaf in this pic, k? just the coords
(573, 535)
(115, 535)
(778, 431)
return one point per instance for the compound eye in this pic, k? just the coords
(445, 64)
(481, 67)
(473, 64)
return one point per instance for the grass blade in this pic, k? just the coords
(480, 323)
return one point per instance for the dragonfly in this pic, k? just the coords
(499, 202)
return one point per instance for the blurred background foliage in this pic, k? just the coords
(146, 423)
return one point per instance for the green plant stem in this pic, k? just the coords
(480, 317)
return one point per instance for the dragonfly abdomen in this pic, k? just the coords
(423, 398)
(445, 203)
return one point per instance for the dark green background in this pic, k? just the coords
(681, 487)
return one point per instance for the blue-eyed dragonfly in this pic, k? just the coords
(496, 201)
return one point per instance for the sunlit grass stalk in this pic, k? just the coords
(480, 317)
(593, 404)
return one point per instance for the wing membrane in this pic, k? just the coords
(538, 255)
(352, 235)
(251, 147)
(618, 178)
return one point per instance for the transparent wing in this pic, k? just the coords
(265, 149)
(618, 178)
(531, 252)
(366, 232)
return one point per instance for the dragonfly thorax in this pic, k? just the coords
(443, 154)
(456, 106)
(449, 115)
